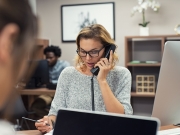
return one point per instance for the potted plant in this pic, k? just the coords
(142, 6)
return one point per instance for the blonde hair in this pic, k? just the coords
(96, 32)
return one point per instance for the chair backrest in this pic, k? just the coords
(19, 109)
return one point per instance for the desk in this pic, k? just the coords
(32, 93)
(167, 127)
(39, 91)
(29, 132)
(36, 132)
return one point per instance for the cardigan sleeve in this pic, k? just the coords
(123, 89)
(59, 100)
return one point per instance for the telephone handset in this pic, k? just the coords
(108, 48)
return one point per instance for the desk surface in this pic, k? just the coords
(32, 93)
(36, 132)
(39, 91)
(29, 132)
(168, 127)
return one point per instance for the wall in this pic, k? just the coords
(33, 5)
(125, 25)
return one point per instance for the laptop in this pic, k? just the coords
(167, 100)
(78, 122)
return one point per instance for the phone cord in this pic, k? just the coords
(92, 93)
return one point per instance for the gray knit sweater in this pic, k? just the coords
(74, 90)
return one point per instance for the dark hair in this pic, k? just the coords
(55, 49)
(19, 12)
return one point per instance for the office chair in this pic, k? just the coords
(20, 111)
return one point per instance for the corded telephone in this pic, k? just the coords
(108, 48)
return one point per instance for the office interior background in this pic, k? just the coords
(161, 23)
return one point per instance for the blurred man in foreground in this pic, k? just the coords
(18, 31)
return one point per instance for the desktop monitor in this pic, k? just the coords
(166, 104)
(40, 76)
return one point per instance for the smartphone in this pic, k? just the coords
(108, 49)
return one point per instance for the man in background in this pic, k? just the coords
(41, 105)
(56, 66)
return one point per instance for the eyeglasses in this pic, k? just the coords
(93, 53)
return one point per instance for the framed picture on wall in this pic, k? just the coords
(75, 17)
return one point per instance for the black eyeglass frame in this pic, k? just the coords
(90, 51)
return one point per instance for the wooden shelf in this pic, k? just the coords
(134, 94)
(144, 65)
(38, 52)
(42, 42)
(139, 50)
(155, 37)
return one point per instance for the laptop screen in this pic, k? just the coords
(71, 122)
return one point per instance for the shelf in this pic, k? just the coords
(38, 52)
(145, 39)
(144, 65)
(154, 36)
(134, 94)
(143, 56)
(42, 42)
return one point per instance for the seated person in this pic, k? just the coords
(52, 53)
(112, 85)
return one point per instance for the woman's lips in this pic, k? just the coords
(90, 64)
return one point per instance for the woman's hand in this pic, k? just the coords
(44, 125)
(105, 66)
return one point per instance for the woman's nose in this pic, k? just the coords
(88, 56)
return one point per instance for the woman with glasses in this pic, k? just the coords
(112, 85)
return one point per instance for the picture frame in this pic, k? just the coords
(75, 17)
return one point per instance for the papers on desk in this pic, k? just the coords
(50, 133)
(174, 131)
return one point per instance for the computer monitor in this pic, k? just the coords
(40, 75)
(166, 105)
